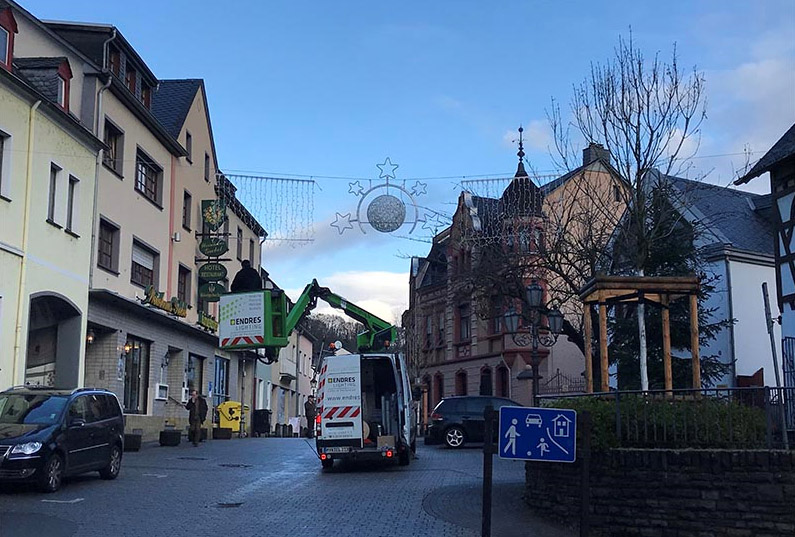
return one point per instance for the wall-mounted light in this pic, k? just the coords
(166, 359)
(127, 347)
(90, 336)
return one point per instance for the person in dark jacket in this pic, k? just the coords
(197, 413)
(310, 412)
(246, 279)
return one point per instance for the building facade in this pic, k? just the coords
(47, 174)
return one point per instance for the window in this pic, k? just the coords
(464, 323)
(5, 168)
(461, 383)
(194, 373)
(221, 387)
(251, 249)
(130, 79)
(108, 246)
(524, 240)
(187, 200)
(136, 375)
(5, 45)
(114, 61)
(616, 193)
(496, 315)
(148, 177)
(183, 284)
(55, 171)
(62, 94)
(71, 217)
(146, 96)
(485, 382)
(502, 382)
(239, 244)
(441, 329)
(438, 380)
(428, 331)
(113, 157)
(189, 146)
(143, 265)
(207, 167)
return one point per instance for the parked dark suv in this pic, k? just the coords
(458, 420)
(46, 434)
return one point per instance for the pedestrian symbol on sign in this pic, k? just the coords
(511, 434)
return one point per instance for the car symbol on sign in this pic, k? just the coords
(533, 419)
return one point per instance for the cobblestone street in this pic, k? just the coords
(275, 487)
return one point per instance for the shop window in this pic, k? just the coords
(221, 386)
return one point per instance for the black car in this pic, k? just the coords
(458, 420)
(46, 434)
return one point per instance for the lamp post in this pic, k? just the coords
(533, 312)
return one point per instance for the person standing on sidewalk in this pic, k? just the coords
(310, 412)
(197, 413)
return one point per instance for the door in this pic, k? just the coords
(473, 419)
(408, 421)
(78, 436)
(98, 424)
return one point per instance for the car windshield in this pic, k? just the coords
(31, 409)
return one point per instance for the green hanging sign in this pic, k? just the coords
(213, 213)
(213, 247)
(212, 272)
(211, 292)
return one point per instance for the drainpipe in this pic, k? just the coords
(99, 130)
(21, 299)
(171, 226)
(730, 302)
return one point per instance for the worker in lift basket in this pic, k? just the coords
(246, 279)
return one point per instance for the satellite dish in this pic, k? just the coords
(338, 345)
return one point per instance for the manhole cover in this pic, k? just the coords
(193, 458)
(229, 505)
(231, 465)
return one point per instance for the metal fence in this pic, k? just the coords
(723, 418)
(788, 347)
(560, 383)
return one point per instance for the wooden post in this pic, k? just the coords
(588, 348)
(666, 334)
(603, 365)
(694, 342)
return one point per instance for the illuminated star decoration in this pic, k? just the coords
(387, 169)
(355, 188)
(342, 222)
(419, 188)
(432, 223)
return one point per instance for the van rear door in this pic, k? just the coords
(341, 418)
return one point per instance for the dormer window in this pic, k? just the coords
(114, 61)
(61, 99)
(146, 96)
(130, 80)
(8, 27)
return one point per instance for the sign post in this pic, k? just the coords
(488, 462)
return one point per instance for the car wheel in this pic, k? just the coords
(454, 437)
(111, 471)
(52, 474)
(327, 463)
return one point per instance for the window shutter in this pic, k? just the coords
(142, 257)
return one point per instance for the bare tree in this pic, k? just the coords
(647, 114)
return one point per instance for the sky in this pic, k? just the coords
(326, 91)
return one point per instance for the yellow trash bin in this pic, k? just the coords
(229, 415)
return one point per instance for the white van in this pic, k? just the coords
(364, 409)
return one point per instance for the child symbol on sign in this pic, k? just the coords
(511, 435)
(543, 446)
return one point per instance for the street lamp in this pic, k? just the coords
(533, 311)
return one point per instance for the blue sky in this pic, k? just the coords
(330, 89)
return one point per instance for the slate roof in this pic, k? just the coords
(783, 149)
(171, 103)
(741, 217)
(40, 73)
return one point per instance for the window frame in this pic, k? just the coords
(142, 385)
(151, 183)
(4, 58)
(62, 93)
(183, 286)
(72, 208)
(207, 167)
(464, 328)
(189, 146)
(130, 79)
(5, 166)
(187, 210)
(136, 272)
(239, 243)
(114, 246)
(114, 139)
(52, 194)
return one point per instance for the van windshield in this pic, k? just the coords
(31, 409)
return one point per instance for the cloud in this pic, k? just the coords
(382, 293)
(537, 136)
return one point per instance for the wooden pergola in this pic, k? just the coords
(608, 290)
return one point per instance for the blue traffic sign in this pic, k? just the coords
(538, 434)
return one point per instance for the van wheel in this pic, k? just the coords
(454, 437)
(326, 464)
(111, 471)
(52, 474)
(404, 457)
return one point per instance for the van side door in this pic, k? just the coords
(78, 436)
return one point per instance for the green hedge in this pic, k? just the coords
(646, 422)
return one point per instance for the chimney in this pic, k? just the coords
(595, 151)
